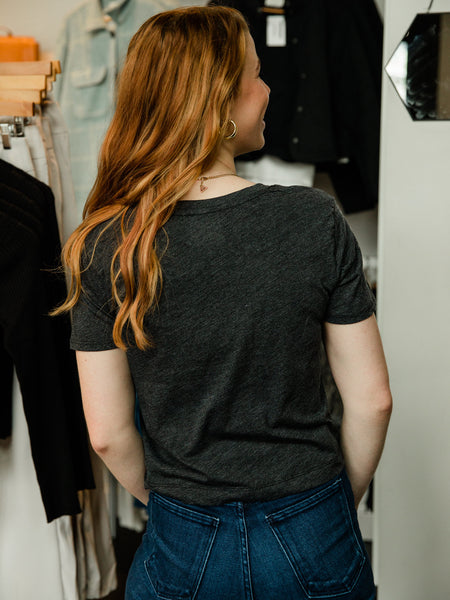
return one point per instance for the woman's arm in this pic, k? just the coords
(356, 358)
(108, 401)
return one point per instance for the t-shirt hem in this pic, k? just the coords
(84, 347)
(349, 319)
(191, 494)
(78, 339)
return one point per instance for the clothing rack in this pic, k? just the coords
(23, 86)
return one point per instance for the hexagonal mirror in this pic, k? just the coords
(420, 67)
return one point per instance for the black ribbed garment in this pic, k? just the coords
(37, 345)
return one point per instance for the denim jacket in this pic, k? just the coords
(91, 47)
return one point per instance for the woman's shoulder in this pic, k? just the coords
(300, 193)
(304, 202)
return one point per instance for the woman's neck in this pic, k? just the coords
(219, 180)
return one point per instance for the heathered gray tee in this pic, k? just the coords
(231, 399)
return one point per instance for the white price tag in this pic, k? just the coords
(276, 31)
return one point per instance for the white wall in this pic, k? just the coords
(40, 19)
(380, 5)
(412, 508)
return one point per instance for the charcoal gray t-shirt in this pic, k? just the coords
(231, 398)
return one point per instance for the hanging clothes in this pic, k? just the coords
(43, 153)
(84, 541)
(38, 344)
(56, 139)
(325, 81)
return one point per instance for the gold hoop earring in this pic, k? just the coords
(233, 133)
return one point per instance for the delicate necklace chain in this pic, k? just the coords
(203, 178)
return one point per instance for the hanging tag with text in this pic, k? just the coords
(276, 31)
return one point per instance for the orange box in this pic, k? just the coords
(15, 48)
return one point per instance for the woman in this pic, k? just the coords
(207, 297)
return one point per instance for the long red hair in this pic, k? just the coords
(175, 91)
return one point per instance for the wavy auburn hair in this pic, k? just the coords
(181, 74)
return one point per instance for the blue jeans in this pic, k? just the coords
(299, 547)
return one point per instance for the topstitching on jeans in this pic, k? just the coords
(245, 558)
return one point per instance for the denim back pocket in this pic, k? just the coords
(318, 537)
(181, 541)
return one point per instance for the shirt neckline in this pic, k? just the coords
(219, 202)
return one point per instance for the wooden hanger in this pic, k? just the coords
(268, 10)
(17, 108)
(25, 84)
(34, 67)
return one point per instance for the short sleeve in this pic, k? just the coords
(351, 299)
(93, 316)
